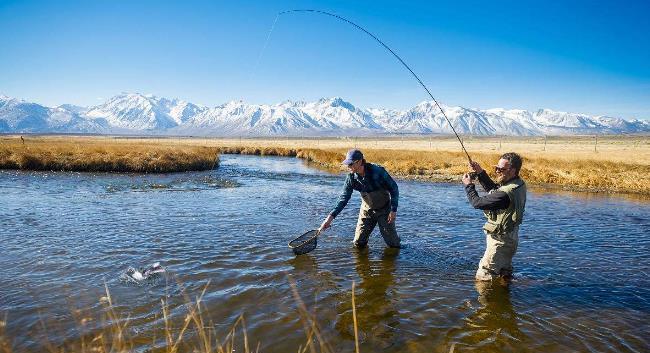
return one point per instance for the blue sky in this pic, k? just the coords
(578, 56)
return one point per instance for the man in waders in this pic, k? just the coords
(379, 196)
(504, 209)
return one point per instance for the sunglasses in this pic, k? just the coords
(499, 169)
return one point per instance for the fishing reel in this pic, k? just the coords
(473, 176)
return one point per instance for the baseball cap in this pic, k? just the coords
(352, 156)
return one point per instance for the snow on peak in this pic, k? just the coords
(147, 113)
(336, 102)
(144, 111)
(71, 108)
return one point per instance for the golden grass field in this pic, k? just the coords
(609, 164)
(103, 155)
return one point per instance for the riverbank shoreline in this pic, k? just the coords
(448, 167)
(545, 166)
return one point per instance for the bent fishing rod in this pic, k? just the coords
(394, 54)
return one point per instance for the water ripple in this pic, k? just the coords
(581, 282)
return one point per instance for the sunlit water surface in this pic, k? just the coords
(582, 281)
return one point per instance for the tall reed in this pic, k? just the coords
(193, 334)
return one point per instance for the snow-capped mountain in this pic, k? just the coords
(20, 116)
(335, 113)
(133, 113)
(427, 118)
(326, 116)
(549, 122)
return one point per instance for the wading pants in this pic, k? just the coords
(368, 219)
(497, 260)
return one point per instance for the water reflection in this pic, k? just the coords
(493, 325)
(303, 265)
(376, 299)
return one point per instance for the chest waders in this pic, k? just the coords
(502, 233)
(376, 200)
(374, 211)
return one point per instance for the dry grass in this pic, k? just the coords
(627, 149)
(101, 155)
(194, 334)
(610, 164)
(573, 174)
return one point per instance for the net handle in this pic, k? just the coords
(318, 233)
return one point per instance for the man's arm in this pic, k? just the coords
(496, 200)
(345, 196)
(487, 183)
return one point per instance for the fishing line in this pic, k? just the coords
(266, 43)
(392, 52)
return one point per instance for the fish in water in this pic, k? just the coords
(142, 274)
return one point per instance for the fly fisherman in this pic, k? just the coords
(379, 196)
(503, 207)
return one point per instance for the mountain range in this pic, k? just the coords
(138, 114)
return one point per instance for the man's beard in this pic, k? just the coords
(500, 178)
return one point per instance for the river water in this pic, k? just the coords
(582, 278)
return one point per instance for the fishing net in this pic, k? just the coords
(304, 243)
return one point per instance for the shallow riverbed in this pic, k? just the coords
(582, 281)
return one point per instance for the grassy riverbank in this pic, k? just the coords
(612, 164)
(103, 155)
(558, 171)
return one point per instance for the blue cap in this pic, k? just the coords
(353, 156)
